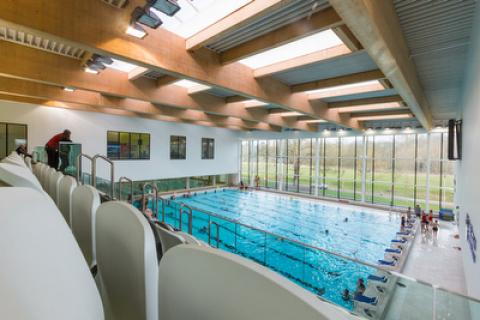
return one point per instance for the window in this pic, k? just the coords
(128, 146)
(208, 148)
(390, 169)
(11, 136)
(178, 148)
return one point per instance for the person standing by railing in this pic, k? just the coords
(52, 147)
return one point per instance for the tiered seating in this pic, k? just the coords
(197, 282)
(85, 202)
(43, 274)
(65, 189)
(45, 269)
(127, 262)
(15, 159)
(17, 176)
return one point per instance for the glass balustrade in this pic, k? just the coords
(323, 272)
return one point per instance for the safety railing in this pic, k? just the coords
(147, 195)
(112, 173)
(120, 183)
(80, 176)
(190, 217)
(325, 272)
(210, 233)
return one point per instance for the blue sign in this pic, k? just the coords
(472, 241)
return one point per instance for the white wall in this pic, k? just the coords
(468, 169)
(90, 129)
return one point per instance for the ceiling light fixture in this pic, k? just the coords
(289, 114)
(97, 63)
(90, 70)
(168, 7)
(146, 17)
(135, 30)
(69, 89)
(313, 121)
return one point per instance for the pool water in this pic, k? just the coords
(357, 233)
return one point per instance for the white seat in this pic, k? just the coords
(53, 183)
(169, 239)
(127, 262)
(64, 201)
(28, 162)
(36, 169)
(42, 174)
(15, 160)
(43, 274)
(46, 178)
(85, 202)
(17, 176)
(202, 283)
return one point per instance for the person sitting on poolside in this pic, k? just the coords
(360, 287)
(346, 295)
(242, 185)
(402, 224)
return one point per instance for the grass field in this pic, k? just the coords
(377, 191)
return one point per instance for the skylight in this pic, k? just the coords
(122, 66)
(360, 87)
(197, 15)
(189, 84)
(371, 107)
(315, 42)
(253, 103)
(384, 117)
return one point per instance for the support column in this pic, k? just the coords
(364, 167)
(250, 169)
(280, 167)
(427, 180)
(188, 183)
(240, 160)
(317, 164)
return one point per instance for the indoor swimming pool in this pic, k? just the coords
(241, 218)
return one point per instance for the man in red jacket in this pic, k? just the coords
(52, 147)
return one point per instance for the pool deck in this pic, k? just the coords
(437, 260)
(434, 260)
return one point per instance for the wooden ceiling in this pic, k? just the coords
(43, 42)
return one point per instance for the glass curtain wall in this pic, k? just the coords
(392, 170)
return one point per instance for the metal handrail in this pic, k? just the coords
(190, 217)
(163, 208)
(120, 188)
(210, 233)
(112, 173)
(339, 255)
(80, 178)
(155, 196)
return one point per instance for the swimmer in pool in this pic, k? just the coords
(346, 295)
(345, 220)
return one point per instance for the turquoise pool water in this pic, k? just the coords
(358, 233)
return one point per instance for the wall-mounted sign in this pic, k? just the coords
(472, 241)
